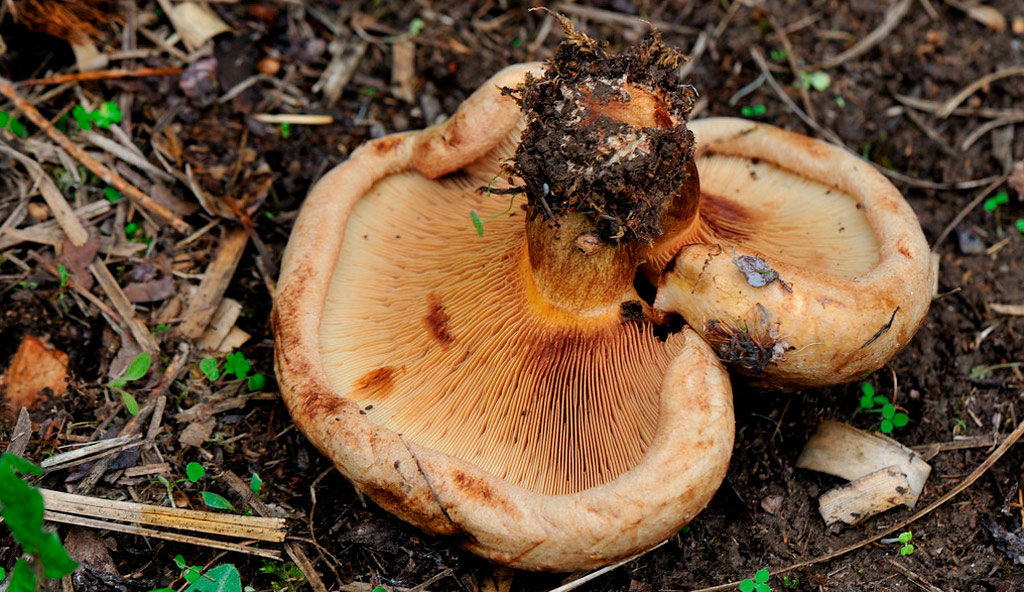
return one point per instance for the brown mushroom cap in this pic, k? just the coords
(419, 357)
(854, 276)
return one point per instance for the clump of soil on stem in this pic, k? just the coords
(606, 136)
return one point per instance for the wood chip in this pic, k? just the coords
(21, 434)
(195, 23)
(152, 469)
(403, 70)
(223, 320)
(89, 452)
(872, 494)
(1016, 310)
(215, 281)
(844, 451)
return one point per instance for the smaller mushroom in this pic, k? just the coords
(802, 264)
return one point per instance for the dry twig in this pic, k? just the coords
(949, 106)
(892, 18)
(102, 75)
(215, 281)
(99, 169)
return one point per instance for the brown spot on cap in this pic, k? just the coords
(379, 382)
(727, 219)
(437, 320)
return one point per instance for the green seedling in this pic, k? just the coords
(790, 582)
(840, 102)
(194, 471)
(872, 403)
(981, 371)
(63, 271)
(907, 548)
(959, 426)
(286, 130)
(758, 584)
(819, 81)
(11, 123)
(754, 111)
(215, 500)
(107, 114)
(256, 382)
(209, 368)
(1020, 225)
(21, 506)
(138, 368)
(478, 224)
(255, 484)
(289, 576)
(111, 194)
(379, 589)
(236, 364)
(416, 25)
(992, 204)
(223, 578)
(779, 54)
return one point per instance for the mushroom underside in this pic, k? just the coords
(434, 330)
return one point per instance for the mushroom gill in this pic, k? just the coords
(439, 335)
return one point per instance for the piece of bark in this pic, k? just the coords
(872, 494)
(87, 547)
(197, 433)
(223, 320)
(21, 434)
(844, 451)
(37, 372)
(215, 281)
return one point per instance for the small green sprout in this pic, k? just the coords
(82, 117)
(754, 111)
(194, 471)
(379, 589)
(289, 576)
(907, 548)
(136, 370)
(131, 229)
(758, 584)
(819, 81)
(872, 403)
(63, 271)
(12, 123)
(111, 194)
(286, 130)
(840, 102)
(478, 224)
(779, 54)
(416, 25)
(217, 501)
(790, 582)
(257, 382)
(209, 368)
(223, 578)
(959, 425)
(992, 204)
(236, 364)
(981, 371)
(255, 484)
(1020, 225)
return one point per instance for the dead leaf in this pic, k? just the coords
(197, 433)
(195, 23)
(36, 373)
(151, 291)
(88, 548)
(76, 260)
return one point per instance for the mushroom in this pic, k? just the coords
(511, 390)
(804, 266)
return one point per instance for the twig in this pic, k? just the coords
(986, 128)
(52, 270)
(934, 106)
(60, 207)
(835, 139)
(929, 131)
(915, 578)
(215, 281)
(600, 572)
(949, 106)
(158, 534)
(78, 456)
(617, 18)
(138, 329)
(102, 75)
(967, 482)
(805, 96)
(967, 209)
(99, 169)
(294, 118)
(892, 18)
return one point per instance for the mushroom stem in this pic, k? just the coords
(573, 270)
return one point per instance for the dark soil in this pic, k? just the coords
(765, 514)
